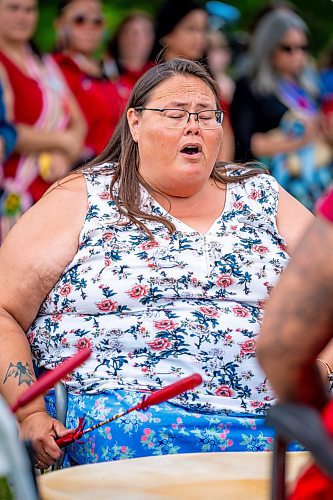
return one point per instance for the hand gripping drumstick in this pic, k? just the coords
(155, 397)
(49, 379)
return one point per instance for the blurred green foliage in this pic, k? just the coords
(317, 14)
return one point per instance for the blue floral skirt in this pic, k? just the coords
(161, 430)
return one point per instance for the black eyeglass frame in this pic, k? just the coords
(218, 112)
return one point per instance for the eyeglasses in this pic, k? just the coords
(293, 48)
(82, 20)
(178, 118)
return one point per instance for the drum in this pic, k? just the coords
(233, 476)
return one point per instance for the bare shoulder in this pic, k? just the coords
(41, 244)
(293, 219)
(58, 215)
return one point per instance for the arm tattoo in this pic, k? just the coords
(24, 373)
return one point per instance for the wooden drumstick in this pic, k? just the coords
(156, 397)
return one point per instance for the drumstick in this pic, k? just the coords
(156, 397)
(49, 379)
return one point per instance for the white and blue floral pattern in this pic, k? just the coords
(156, 311)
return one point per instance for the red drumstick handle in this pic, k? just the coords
(49, 379)
(154, 398)
(170, 391)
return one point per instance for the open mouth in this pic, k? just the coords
(191, 150)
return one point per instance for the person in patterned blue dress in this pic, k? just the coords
(160, 259)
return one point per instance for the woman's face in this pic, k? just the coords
(290, 55)
(188, 39)
(81, 26)
(218, 52)
(136, 39)
(18, 20)
(167, 161)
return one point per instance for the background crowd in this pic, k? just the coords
(60, 109)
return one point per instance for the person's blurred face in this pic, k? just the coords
(81, 26)
(167, 160)
(136, 39)
(218, 52)
(18, 20)
(290, 54)
(188, 39)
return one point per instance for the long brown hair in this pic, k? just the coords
(122, 151)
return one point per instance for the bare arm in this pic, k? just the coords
(69, 141)
(298, 321)
(35, 140)
(276, 141)
(292, 219)
(32, 259)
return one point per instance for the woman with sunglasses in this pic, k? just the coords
(79, 30)
(275, 110)
(48, 121)
(160, 259)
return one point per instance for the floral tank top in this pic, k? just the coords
(155, 311)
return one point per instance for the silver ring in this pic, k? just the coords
(37, 464)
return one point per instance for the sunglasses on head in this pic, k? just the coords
(293, 48)
(82, 20)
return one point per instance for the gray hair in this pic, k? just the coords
(269, 33)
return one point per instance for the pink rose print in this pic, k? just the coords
(107, 261)
(65, 290)
(256, 404)
(105, 195)
(238, 205)
(209, 311)
(248, 347)
(138, 291)
(224, 280)
(255, 194)
(107, 305)
(165, 324)
(56, 317)
(240, 312)
(147, 245)
(107, 236)
(224, 391)
(262, 303)
(261, 249)
(31, 337)
(83, 343)
(159, 344)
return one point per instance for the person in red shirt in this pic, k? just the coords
(128, 51)
(48, 121)
(295, 344)
(79, 27)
